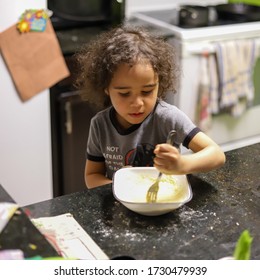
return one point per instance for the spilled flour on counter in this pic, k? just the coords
(190, 214)
(126, 234)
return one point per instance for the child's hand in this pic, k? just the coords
(167, 159)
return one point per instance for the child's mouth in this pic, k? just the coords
(136, 115)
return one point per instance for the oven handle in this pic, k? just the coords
(68, 122)
(199, 49)
(209, 48)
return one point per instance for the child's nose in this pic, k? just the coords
(137, 101)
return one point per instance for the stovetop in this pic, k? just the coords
(172, 17)
(218, 30)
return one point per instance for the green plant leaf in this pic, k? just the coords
(243, 246)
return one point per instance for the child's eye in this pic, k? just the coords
(147, 92)
(124, 94)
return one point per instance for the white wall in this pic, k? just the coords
(25, 138)
(143, 5)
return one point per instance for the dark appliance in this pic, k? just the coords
(75, 13)
(238, 11)
(199, 16)
(76, 22)
(193, 16)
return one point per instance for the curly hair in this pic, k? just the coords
(99, 59)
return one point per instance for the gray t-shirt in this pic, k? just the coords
(134, 146)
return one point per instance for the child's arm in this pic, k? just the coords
(95, 174)
(207, 156)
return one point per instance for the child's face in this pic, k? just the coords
(133, 93)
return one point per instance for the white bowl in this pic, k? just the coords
(130, 186)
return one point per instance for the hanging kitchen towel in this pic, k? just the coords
(247, 54)
(245, 87)
(203, 104)
(213, 84)
(228, 65)
(236, 61)
(34, 60)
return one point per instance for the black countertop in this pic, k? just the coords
(225, 202)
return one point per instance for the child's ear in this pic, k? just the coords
(106, 92)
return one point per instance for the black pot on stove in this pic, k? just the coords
(196, 16)
(238, 11)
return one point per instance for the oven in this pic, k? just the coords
(192, 43)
